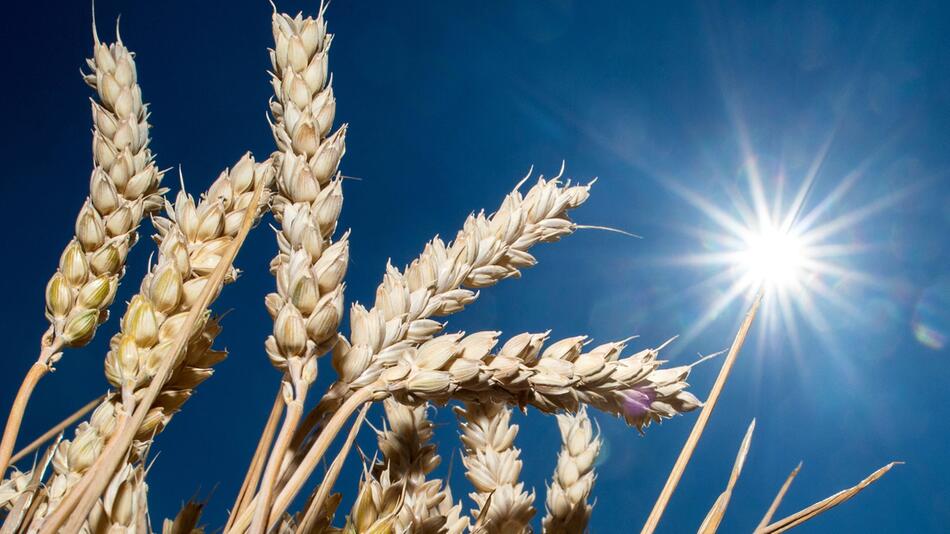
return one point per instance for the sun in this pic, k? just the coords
(794, 250)
(773, 258)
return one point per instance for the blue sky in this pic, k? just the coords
(449, 104)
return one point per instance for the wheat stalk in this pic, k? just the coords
(693, 439)
(493, 466)
(309, 267)
(567, 508)
(714, 517)
(124, 187)
(193, 241)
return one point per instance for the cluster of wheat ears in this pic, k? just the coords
(396, 352)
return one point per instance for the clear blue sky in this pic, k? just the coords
(448, 105)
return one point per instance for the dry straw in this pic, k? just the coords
(396, 352)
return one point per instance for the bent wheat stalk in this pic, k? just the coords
(215, 269)
(124, 187)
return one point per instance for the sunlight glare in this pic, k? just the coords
(772, 257)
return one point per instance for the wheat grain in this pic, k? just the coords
(493, 466)
(377, 503)
(123, 508)
(567, 508)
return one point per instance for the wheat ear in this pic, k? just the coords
(493, 466)
(568, 510)
(310, 267)
(409, 456)
(454, 366)
(124, 187)
(487, 250)
(194, 241)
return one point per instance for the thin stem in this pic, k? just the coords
(95, 480)
(824, 505)
(265, 495)
(316, 505)
(310, 461)
(254, 470)
(37, 371)
(694, 435)
(56, 430)
(778, 498)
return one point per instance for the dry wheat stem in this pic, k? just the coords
(37, 371)
(291, 417)
(311, 460)
(58, 429)
(120, 442)
(314, 509)
(683, 459)
(767, 518)
(714, 517)
(567, 508)
(256, 467)
(824, 505)
(493, 466)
